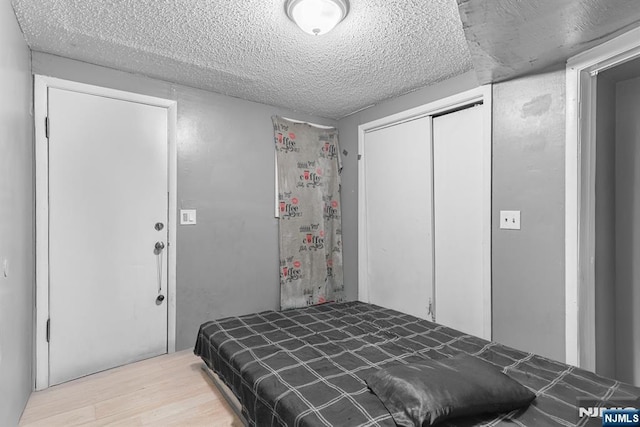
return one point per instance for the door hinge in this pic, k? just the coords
(46, 127)
(48, 329)
(359, 156)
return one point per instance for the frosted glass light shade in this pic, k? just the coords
(317, 16)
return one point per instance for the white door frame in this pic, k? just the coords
(41, 87)
(580, 157)
(481, 94)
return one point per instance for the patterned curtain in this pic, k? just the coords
(309, 214)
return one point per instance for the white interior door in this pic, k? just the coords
(459, 220)
(108, 187)
(398, 196)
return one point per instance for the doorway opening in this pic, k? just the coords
(617, 223)
(602, 221)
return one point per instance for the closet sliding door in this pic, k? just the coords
(459, 219)
(424, 222)
(397, 199)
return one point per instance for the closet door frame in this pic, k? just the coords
(481, 94)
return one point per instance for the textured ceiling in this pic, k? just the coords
(249, 49)
(512, 38)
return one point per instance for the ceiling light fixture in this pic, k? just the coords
(317, 16)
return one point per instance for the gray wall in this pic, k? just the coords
(627, 201)
(528, 175)
(348, 128)
(605, 256)
(16, 220)
(228, 262)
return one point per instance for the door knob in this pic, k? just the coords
(159, 246)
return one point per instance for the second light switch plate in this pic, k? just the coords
(510, 220)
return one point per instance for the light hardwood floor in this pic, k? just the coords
(170, 390)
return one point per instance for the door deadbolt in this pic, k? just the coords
(159, 226)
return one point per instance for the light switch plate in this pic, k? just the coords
(187, 217)
(510, 220)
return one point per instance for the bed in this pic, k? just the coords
(308, 367)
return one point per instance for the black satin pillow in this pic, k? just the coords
(432, 391)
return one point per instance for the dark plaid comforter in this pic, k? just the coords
(307, 367)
